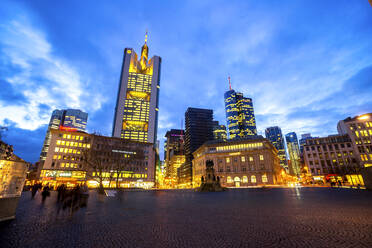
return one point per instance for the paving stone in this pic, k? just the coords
(304, 217)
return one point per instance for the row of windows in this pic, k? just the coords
(360, 125)
(74, 137)
(123, 175)
(66, 165)
(72, 143)
(364, 157)
(58, 157)
(242, 159)
(333, 155)
(243, 168)
(363, 133)
(245, 179)
(335, 162)
(237, 147)
(330, 147)
(67, 150)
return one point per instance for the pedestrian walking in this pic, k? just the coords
(34, 189)
(45, 193)
(61, 189)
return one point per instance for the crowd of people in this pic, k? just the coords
(72, 199)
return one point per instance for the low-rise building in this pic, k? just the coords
(78, 157)
(242, 162)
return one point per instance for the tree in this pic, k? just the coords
(129, 154)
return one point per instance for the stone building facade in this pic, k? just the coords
(243, 162)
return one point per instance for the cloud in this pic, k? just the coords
(43, 80)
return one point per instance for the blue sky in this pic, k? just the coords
(306, 64)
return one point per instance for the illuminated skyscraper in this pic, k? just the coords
(136, 112)
(239, 114)
(274, 134)
(65, 119)
(219, 131)
(294, 153)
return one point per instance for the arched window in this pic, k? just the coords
(229, 180)
(253, 179)
(245, 179)
(264, 178)
(236, 179)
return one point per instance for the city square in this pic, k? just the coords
(195, 123)
(271, 217)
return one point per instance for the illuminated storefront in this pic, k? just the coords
(57, 177)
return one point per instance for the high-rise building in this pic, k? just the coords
(199, 129)
(359, 128)
(302, 141)
(219, 131)
(294, 154)
(136, 112)
(64, 119)
(174, 155)
(274, 134)
(239, 114)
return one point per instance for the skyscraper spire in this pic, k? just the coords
(144, 54)
(229, 82)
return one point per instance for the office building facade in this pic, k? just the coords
(65, 119)
(75, 158)
(359, 129)
(239, 115)
(199, 129)
(219, 131)
(294, 154)
(174, 155)
(275, 136)
(332, 158)
(137, 105)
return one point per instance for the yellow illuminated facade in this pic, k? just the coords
(239, 163)
(137, 103)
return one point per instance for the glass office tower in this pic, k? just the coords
(239, 115)
(64, 119)
(274, 134)
(136, 112)
(294, 154)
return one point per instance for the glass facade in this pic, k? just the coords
(239, 115)
(294, 153)
(274, 135)
(65, 119)
(219, 131)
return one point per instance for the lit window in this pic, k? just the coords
(261, 157)
(229, 180)
(253, 179)
(251, 159)
(264, 178)
(62, 164)
(62, 142)
(58, 142)
(243, 159)
(64, 136)
(88, 145)
(68, 143)
(68, 136)
(227, 160)
(81, 137)
(56, 149)
(357, 133)
(245, 179)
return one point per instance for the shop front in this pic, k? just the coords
(58, 177)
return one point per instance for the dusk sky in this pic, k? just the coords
(306, 64)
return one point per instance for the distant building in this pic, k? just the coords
(219, 131)
(274, 135)
(359, 128)
(302, 141)
(199, 129)
(64, 119)
(137, 105)
(240, 162)
(66, 160)
(294, 154)
(174, 154)
(239, 115)
(332, 158)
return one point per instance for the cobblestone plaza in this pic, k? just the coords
(278, 217)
